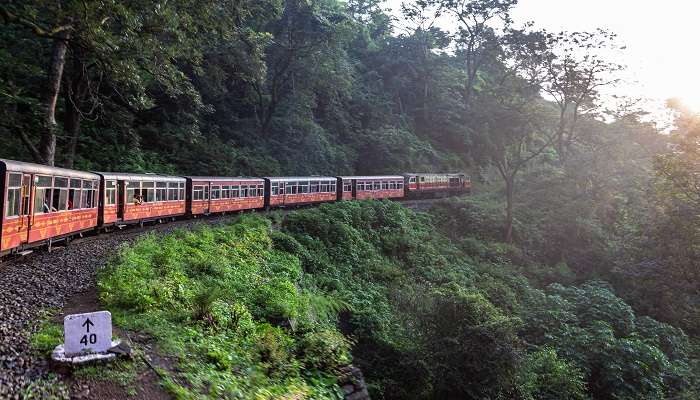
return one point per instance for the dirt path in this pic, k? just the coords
(62, 280)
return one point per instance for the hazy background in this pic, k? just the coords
(661, 38)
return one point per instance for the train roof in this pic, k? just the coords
(368, 177)
(225, 178)
(126, 176)
(299, 178)
(20, 166)
(434, 173)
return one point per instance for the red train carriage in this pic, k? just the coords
(370, 187)
(286, 191)
(131, 198)
(436, 185)
(42, 204)
(208, 194)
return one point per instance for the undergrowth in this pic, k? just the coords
(232, 310)
(428, 311)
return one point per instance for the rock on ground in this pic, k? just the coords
(46, 280)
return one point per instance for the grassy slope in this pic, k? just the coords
(255, 312)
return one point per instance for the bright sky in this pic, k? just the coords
(662, 39)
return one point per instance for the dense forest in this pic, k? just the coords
(572, 272)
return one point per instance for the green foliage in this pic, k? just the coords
(230, 308)
(547, 376)
(436, 319)
(251, 311)
(47, 336)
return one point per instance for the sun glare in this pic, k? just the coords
(692, 102)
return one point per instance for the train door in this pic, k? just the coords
(207, 197)
(25, 207)
(121, 199)
(19, 189)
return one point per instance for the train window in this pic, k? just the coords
(44, 181)
(148, 192)
(314, 187)
(14, 195)
(215, 192)
(332, 186)
(399, 184)
(43, 194)
(172, 191)
(60, 194)
(274, 189)
(347, 187)
(181, 195)
(291, 187)
(235, 191)
(161, 191)
(60, 182)
(377, 185)
(42, 200)
(110, 193)
(87, 197)
(206, 192)
(303, 187)
(133, 189)
(244, 191)
(385, 185)
(15, 180)
(198, 193)
(225, 192)
(261, 190)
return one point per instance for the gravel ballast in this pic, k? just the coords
(45, 280)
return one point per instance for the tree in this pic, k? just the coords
(119, 53)
(575, 72)
(58, 31)
(477, 41)
(512, 125)
(514, 129)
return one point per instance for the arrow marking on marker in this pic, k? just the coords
(88, 323)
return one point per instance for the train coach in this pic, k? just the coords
(285, 191)
(370, 187)
(137, 198)
(426, 185)
(43, 204)
(214, 194)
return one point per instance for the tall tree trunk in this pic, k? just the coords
(47, 142)
(510, 188)
(74, 94)
(71, 125)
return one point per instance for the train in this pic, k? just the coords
(42, 204)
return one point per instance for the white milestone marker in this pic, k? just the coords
(88, 333)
